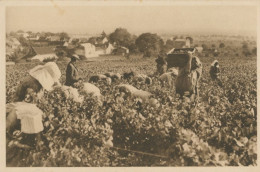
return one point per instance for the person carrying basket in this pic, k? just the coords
(190, 71)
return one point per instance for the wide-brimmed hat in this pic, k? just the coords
(214, 62)
(75, 56)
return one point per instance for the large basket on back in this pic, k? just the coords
(178, 57)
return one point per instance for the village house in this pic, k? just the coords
(89, 50)
(12, 43)
(33, 37)
(101, 40)
(43, 53)
(121, 51)
(104, 49)
(53, 38)
(23, 34)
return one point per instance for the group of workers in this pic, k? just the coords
(22, 113)
(45, 77)
(187, 81)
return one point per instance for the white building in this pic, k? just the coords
(89, 50)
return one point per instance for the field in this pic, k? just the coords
(220, 130)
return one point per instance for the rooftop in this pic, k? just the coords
(44, 50)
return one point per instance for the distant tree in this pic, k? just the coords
(133, 48)
(13, 34)
(221, 45)
(20, 31)
(49, 34)
(29, 32)
(63, 36)
(121, 36)
(254, 51)
(245, 45)
(149, 44)
(92, 40)
(75, 42)
(175, 37)
(42, 34)
(103, 34)
(23, 41)
(134, 37)
(204, 46)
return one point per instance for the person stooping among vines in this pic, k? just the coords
(72, 73)
(215, 72)
(161, 63)
(189, 76)
(22, 114)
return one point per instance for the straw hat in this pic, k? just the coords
(75, 56)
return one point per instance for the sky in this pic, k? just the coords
(136, 19)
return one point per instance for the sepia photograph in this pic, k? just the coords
(130, 85)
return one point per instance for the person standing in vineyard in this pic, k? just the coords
(197, 67)
(189, 76)
(215, 72)
(161, 64)
(72, 75)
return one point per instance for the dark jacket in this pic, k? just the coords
(161, 64)
(71, 74)
(214, 72)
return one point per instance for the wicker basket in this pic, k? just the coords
(177, 60)
(179, 57)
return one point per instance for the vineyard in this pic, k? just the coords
(219, 130)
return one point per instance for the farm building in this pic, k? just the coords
(43, 53)
(25, 34)
(54, 38)
(98, 41)
(39, 43)
(121, 51)
(34, 38)
(102, 40)
(89, 50)
(182, 43)
(104, 49)
(12, 43)
(109, 49)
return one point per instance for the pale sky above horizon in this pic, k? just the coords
(136, 19)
